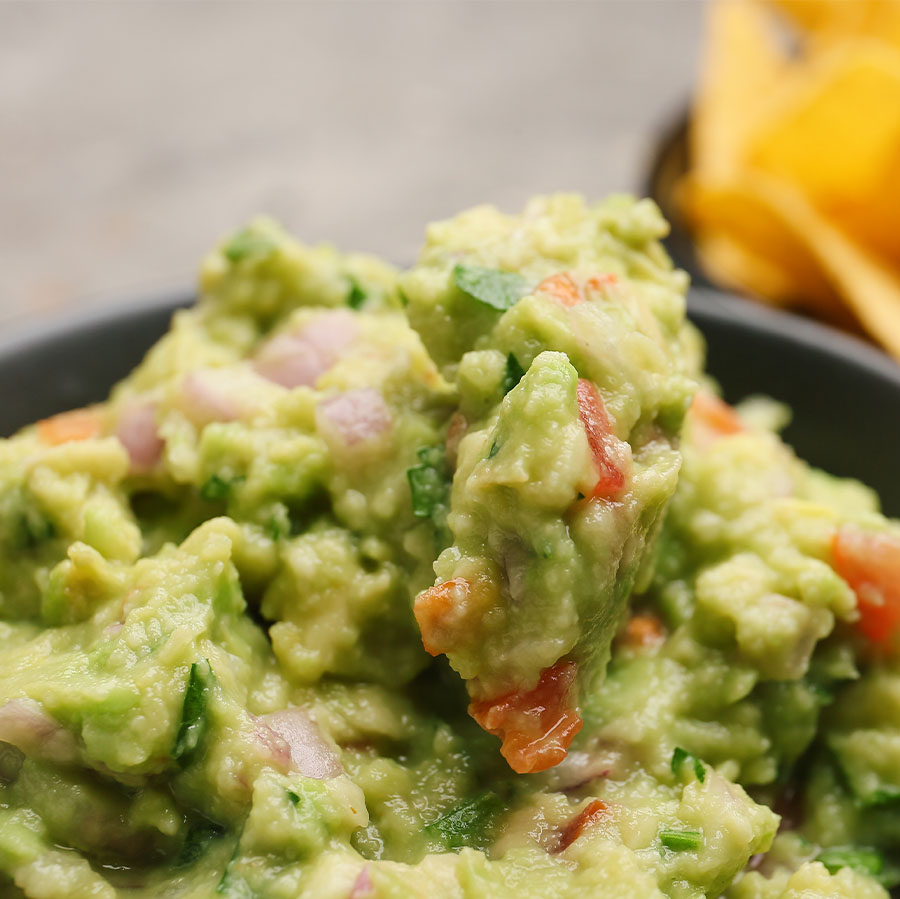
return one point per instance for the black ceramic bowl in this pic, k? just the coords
(845, 394)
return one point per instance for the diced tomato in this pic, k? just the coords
(562, 288)
(715, 415)
(79, 424)
(605, 446)
(643, 631)
(870, 563)
(536, 726)
(589, 815)
(435, 610)
(456, 430)
(601, 282)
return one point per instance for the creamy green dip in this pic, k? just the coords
(458, 581)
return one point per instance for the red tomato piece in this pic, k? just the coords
(562, 288)
(601, 282)
(715, 414)
(79, 424)
(536, 726)
(643, 631)
(589, 815)
(870, 563)
(605, 446)
(435, 610)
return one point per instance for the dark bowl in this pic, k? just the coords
(845, 394)
(671, 159)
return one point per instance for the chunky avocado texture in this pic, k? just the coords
(457, 581)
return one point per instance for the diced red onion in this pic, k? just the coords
(516, 560)
(307, 751)
(207, 398)
(362, 886)
(25, 724)
(275, 746)
(138, 433)
(295, 360)
(354, 416)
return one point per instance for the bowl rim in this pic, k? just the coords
(709, 304)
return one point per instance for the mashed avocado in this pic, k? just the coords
(265, 612)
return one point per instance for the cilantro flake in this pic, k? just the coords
(248, 243)
(468, 823)
(193, 711)
(490, 286)
(513, 373)
(680, 756)
(356, 296)
(681, 840)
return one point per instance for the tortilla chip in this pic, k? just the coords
(836, 128)
(778, 221)
(842, 20)
(742, 66)
(744, 243)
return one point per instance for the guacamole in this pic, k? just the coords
(458, 581)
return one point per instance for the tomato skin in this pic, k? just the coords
(536, 726)
(567, 291)
(66, 427)
(606, 448)
(715, 415)
(435, 610)
(870, 563)
(589, 815)
(643, 631)
(562, 288)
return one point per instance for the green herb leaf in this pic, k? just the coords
(680, 756)
(867, 861)
(429, 482)
(513, 373)
(495, 448)
(215, 489)
(681, 840)
(490, 286)
(293, 797)
(193, 711)
(248, 243)
(468, 823)
(356, 296)
(199, 836)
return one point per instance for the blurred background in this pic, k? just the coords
(134, 135)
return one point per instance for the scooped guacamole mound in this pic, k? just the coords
(214, 589)
(564, 329)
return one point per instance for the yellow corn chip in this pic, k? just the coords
(835, 130)
(741, 68)
(744, 243)
(776, 220)
(843, 20)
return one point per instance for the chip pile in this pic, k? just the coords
(793, 193)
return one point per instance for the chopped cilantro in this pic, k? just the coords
(199, 836)
(248, 243)
(193, 710)
(429, 482)
(490, 286)
(681, 840)
(495, 448)
(293, 797)
(215, 489)
(468, 823)
(513, 373)
(680, 756)
(356, 295)
(867, 861)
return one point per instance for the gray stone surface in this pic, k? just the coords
(133, 135)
